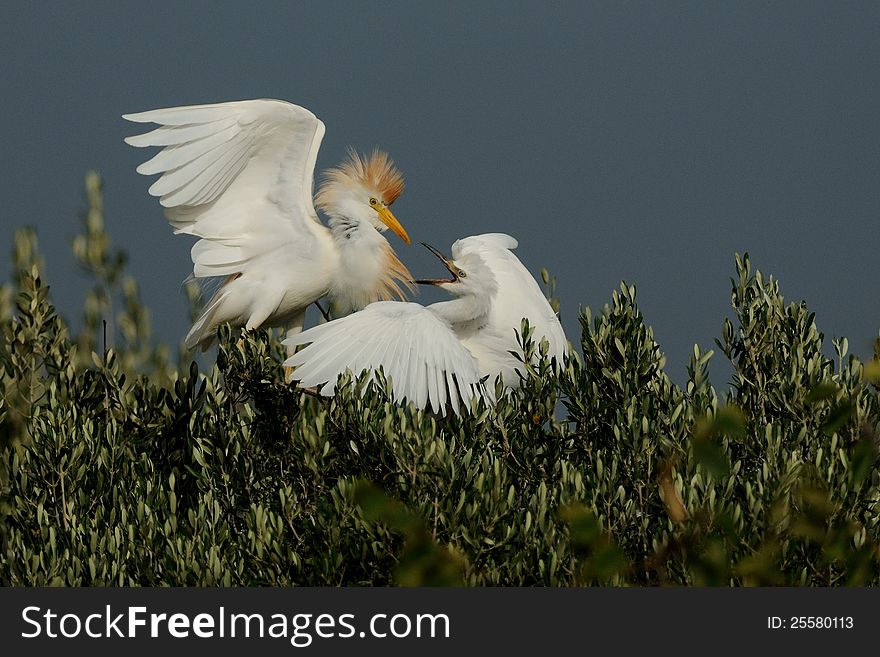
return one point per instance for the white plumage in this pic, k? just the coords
(518, 296)
(415, 347)
(439, 356)
(239, 176)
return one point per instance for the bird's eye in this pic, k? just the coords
(462, 274)
(373, 201)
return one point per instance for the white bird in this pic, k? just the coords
(440, 354)
(239, 176)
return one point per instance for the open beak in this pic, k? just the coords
(446, 261)
(391, 221)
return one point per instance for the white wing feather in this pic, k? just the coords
(518, 296)
(238, 175)
(416, 349)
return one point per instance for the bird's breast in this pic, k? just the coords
(367, 271)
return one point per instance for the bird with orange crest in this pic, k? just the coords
(239, 176)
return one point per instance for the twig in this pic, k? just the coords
(313, 392)
(63, 500)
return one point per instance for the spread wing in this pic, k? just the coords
(416, 350)
(522, 297)
(238, 175)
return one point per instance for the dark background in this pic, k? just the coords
(639, 141)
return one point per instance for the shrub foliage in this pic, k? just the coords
(123, 465)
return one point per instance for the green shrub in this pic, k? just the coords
(120, 466)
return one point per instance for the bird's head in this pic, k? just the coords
(470, 275)
(362, 189)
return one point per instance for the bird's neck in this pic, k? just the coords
(464, 312)
(368, 268)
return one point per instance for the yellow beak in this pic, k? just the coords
(391, 221)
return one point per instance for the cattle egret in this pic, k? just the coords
(239, 176)
(441, 354)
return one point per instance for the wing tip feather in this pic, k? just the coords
(139, 117)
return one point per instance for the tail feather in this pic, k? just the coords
(202, 333)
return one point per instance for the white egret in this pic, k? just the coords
(439, 354)
(239, 176)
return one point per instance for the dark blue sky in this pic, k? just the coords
(639, 141)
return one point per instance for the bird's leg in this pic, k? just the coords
(296, 327)
(325, 313)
